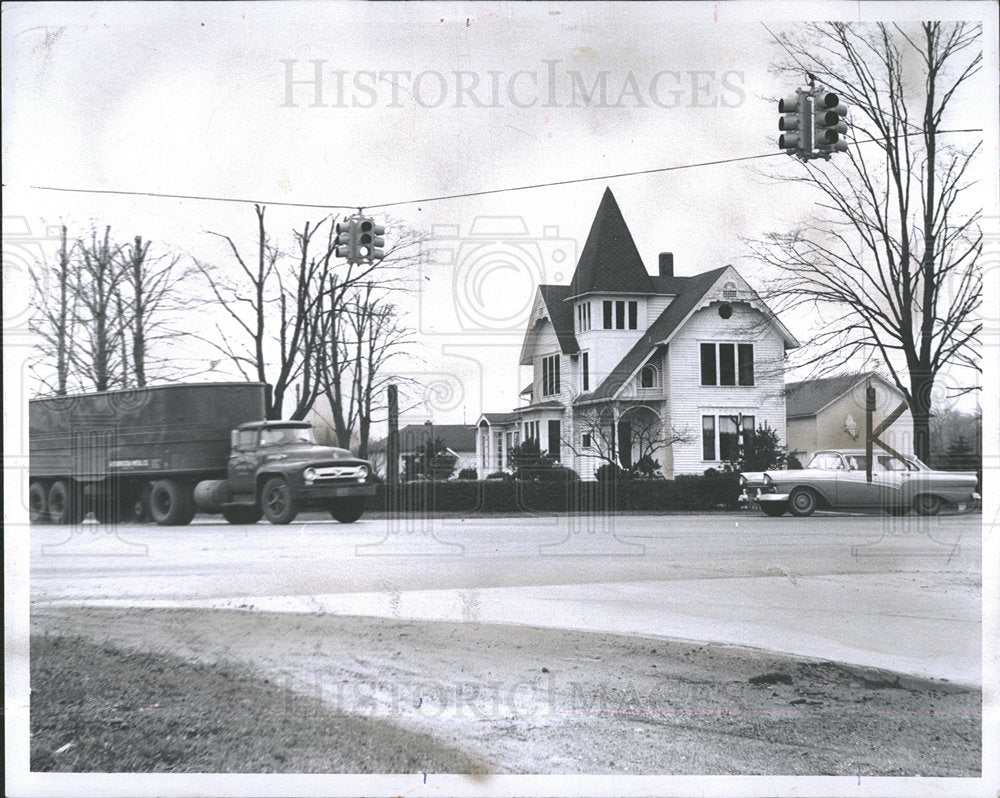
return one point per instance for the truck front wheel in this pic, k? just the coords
(278, 502)
(65, 503)
(347, 511)
(171, 503)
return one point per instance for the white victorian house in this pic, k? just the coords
(626, 364)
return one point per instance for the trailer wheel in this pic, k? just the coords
(38, 503)
(65, 503)
(278, 502)
(242, 515)
(347, 511)
(171, 503)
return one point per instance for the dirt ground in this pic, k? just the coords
(508, 699)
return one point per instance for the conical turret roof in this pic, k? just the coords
(610, 261)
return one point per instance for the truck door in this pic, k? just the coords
(243, 462)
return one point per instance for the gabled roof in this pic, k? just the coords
(457, 437)
(561, 315)
(809, 397)
(691, 291)
(610, 261)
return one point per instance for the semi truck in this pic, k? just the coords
(165, 453)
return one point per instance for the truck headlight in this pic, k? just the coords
(362, 473)
(309, 474)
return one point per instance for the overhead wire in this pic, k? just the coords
(446, 197)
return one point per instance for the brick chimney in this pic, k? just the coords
(666, 264)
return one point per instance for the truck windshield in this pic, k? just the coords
(278, 436)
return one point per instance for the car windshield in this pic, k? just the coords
(827, 461)
(278, 436)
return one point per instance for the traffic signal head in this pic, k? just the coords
(830, 125)
(370, 241)
(347, 243)
(796, 119)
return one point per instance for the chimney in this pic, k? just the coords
(666, 264)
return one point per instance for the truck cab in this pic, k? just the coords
(276, 468)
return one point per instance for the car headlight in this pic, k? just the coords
(309, 474)
(362, 473)
(767, 480)
(743, 481)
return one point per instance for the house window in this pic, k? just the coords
(583, 317)
(727, 364)
(649, 377)
(499, 451)
(586, 440)
(745, 352)
(729, 290)
(708, 368)
(550, 375)
(554, 439)
(620, 315)
(585, 370)
(727, 442)
(708, 437)
(531, 430)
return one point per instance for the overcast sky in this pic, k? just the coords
(415, 101)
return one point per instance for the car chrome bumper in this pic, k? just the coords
(750, 496)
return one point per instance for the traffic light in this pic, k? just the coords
(829, 122)
(370, 241)
(347, 239)
(797, 119)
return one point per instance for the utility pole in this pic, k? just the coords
(392, 442)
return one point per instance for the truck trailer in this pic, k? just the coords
(166, 452)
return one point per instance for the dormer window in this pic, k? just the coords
(619, 313)
(649, 377)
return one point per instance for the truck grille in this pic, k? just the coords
(335, 473)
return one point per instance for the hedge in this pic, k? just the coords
(686, 492)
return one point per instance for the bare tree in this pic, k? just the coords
(622, 434)
(277, 302)
(147, 299)
(98, 276)
(54, 320)
(889, 264)
(364, 332)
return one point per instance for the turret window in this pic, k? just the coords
(583, 317)
(621, 314)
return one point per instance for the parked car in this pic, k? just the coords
(837, 480)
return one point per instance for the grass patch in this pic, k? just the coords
(99, 708)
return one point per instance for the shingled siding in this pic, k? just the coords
(765, 400)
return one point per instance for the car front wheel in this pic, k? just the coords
(802, 502)
(926, 504)
(278, 502)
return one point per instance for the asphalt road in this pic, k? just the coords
(898, 593)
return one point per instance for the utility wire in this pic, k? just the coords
(441, 198)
